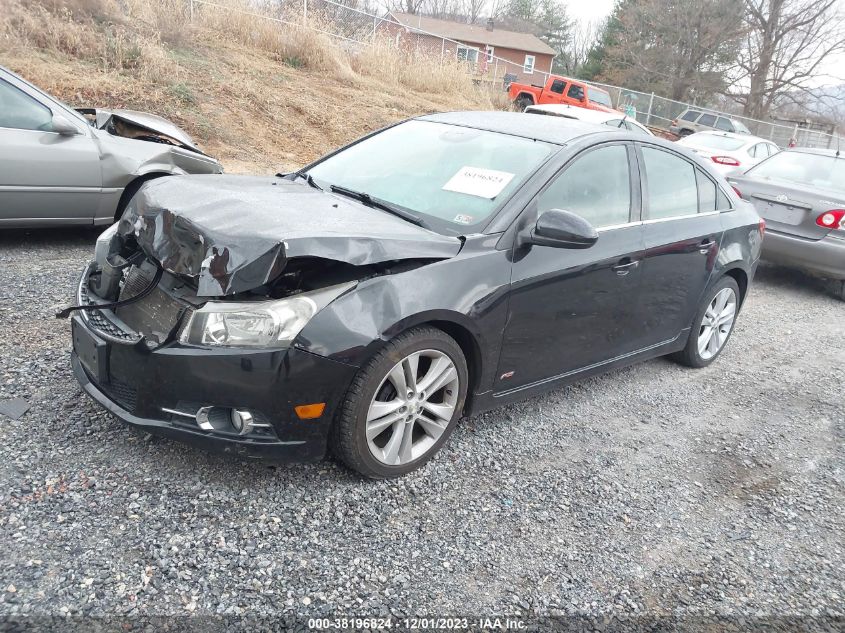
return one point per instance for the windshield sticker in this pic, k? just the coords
(463, 219)
(475, 181)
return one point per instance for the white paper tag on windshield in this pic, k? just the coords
(475, 181)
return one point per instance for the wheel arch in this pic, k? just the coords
(741, 278)
(459, 328)
(527, 95)
(132, 188)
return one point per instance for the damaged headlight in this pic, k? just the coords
(257, 323)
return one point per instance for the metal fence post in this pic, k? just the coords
(191, 10)
(650, 104)
(304, 12)
(375, 25)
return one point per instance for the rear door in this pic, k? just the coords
(682, 233)
(570, 308)
(45, 178)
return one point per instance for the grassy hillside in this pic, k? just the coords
(258, 95)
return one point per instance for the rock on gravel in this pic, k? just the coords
(653, 490)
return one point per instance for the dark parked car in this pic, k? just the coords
(435, 269)
(801, 195)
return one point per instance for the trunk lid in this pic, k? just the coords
(789, 207)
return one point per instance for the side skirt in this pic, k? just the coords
(485, 401)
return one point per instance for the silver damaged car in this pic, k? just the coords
(60, 166)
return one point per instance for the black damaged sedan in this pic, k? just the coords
(434, 269)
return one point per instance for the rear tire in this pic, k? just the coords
(402, 406)
(684, 133)
(522, 102)
(713, 324)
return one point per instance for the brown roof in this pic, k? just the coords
(474, 33)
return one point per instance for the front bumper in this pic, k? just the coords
(144, 387)
(824, 257)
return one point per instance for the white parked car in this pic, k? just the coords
(612, 119)
(730, 152)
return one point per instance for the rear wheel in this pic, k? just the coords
(713, 324)
(684, 133)
(402, 405)
(523, 102)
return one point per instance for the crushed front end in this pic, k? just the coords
(138, 360)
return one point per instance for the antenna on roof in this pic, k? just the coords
(838, 138)
(622, 122)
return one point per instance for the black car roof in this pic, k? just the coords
(558, 130)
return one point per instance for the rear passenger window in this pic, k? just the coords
(597, 186)
(706, 193)
(722, 202)
(576, 92)
(690, 115)
(672, 188)
(557, 86)
(707, 119)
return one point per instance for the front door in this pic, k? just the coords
(44, 177)
(570, 309)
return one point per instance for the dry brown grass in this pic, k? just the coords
(259, 94)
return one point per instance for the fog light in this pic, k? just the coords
(242, 421)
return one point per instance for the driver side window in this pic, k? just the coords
(20, 111)
(596, 186)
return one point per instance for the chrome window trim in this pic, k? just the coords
(613, 227)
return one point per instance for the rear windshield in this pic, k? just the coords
(815, 170)
(599, 96)
(711, 141)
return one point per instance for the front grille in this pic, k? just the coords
(122, 393)
(97, 320)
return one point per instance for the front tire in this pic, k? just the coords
(402, 405)
(713, 324)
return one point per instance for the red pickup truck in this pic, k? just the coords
(560, 90)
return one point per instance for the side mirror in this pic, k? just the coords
(562, 229)
(63, 127)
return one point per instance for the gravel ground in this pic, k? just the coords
(652, 490)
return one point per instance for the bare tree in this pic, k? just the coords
(582, 37)
(679, 48)
(786, 42)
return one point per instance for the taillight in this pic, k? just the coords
(761, 226)
(737, 191)
(725, 160)
(833, 219)
(674, 122)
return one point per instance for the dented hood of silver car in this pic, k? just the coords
(146, 120)
(236, 233)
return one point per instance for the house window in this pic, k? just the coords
(528, 66)
(467, 54)
(490, 52)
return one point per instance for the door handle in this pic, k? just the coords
(705, 246)
(624, 267)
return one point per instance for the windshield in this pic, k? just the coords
(712, 141)
(455, 174)
(599, 96)
(815, 170)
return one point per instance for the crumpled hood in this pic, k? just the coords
(146, 120)
(235, 233)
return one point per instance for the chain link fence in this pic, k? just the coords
(354, 28)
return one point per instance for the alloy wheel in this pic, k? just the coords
(412, 407)
(717, 323)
